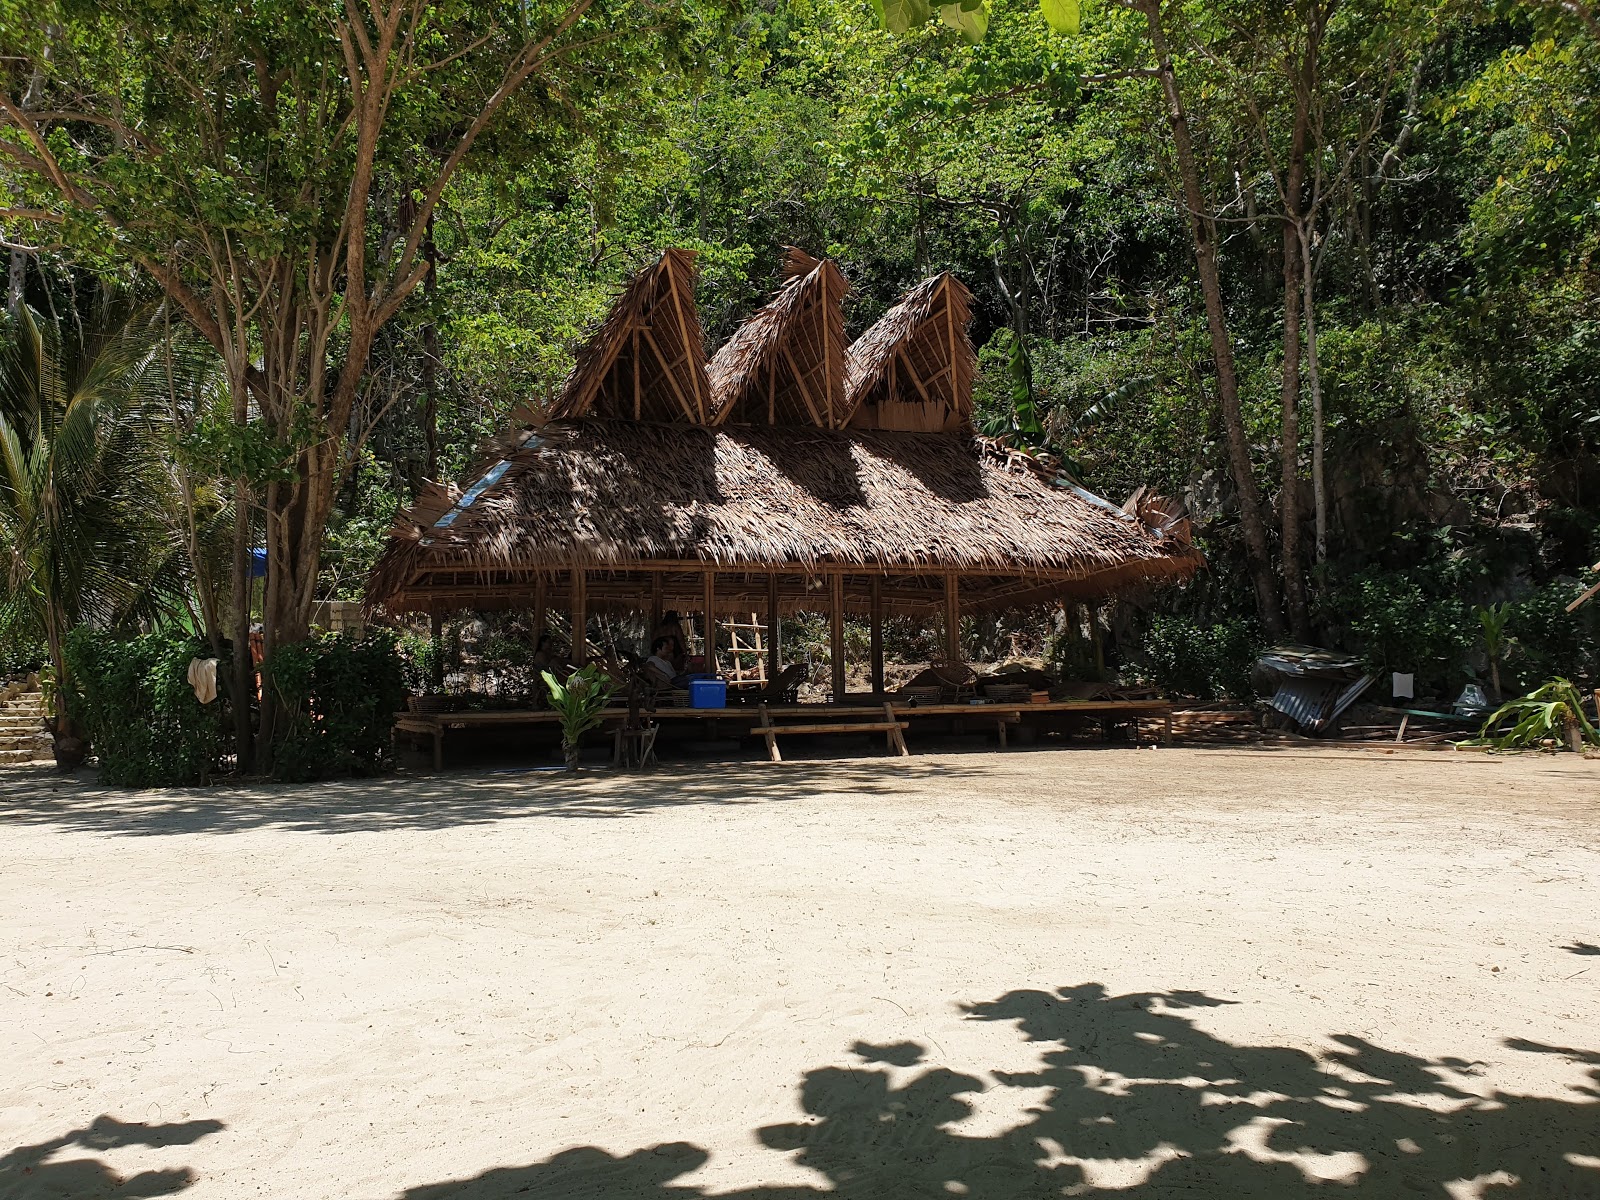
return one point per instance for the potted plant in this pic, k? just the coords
(579, 702)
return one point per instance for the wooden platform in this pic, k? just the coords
(797, 718)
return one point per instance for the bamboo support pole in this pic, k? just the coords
(836, 634)
(710, 618)
(952, 619)
(773, 619)
(579, 592)
(877, 636)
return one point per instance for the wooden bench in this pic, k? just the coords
(892, 729)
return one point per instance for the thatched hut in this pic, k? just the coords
(913, 369)
(768, 502)
(785, 365)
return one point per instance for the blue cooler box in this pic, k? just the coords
(708, 693)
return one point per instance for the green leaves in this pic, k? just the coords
(971, 21)
(1063, 16)
(1552, 712)
(902, 16)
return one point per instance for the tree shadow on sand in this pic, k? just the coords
(43, 797)
(1137, 1103)
(37, 1171)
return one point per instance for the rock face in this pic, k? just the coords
(23, 738)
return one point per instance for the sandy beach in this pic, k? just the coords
(1131, 973)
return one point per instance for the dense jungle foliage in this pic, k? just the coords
(1403, 198)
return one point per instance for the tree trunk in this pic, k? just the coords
(1202, 227)
(1294, 590)
(1319, 492)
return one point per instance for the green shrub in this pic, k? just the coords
(1551, 642)
(1205, 662)
(418, 656)
(1397, 623)
(340, 694)
(20, 656)
(133, 698)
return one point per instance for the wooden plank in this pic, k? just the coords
(836, 632)
(836, 727)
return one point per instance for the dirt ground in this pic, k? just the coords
(1129, 973)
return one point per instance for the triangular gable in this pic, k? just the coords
(647, 360)
(785, 365)
(913, 370)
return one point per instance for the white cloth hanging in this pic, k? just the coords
(203, 679)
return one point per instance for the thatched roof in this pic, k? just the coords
(913, 369)
(647, 360)
(628, 499)
(785, 365)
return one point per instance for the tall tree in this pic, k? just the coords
(275, 166)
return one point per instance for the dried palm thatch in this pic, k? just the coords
(632, 501)
(647, 360)
(785, 365)
(913, 369)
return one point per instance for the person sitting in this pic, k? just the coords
(659, 669)
(672, 627)
(546, 657)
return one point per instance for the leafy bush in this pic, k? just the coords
(1206, 662)
(1398, 624)
(418, 656)
(133, 698)
(21, 655)
(341, 694)
(1552, 642)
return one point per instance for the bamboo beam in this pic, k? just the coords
(774, 655)
(952, 619)
(683, 332)
(800, 382)
(672, 380)
(877, 636)
(710, 614)
(836, 634)
(638, 395)
(827, 358)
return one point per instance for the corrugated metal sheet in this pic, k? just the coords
(1315, 702)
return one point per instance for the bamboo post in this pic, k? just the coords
(656, 606)
(711, 623)
(836, 634)
(538, 610)
(877, 636)
(580, 616)
(952, 619)
(773, 655)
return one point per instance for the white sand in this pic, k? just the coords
(1280, 968)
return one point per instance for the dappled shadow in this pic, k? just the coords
(40, 1170)
(446, 800)
(1130, 1099)
(1582, 948)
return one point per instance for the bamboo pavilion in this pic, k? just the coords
(791, 472)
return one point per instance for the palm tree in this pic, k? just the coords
(81, 487)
